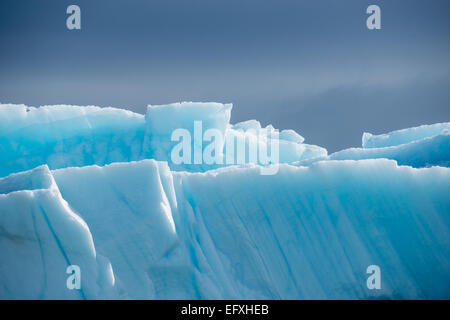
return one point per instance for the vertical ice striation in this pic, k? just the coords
(40, 236)
(311, 232)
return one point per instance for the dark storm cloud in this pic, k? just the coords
(312, 66)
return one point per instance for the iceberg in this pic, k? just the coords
(423, 148)
(73, 136)
(403, 136)
(426, 152)
(97, 188)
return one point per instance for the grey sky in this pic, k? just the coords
(312, 66)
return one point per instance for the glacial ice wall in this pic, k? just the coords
(310, 232)
(304, 233)
(101, 193)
